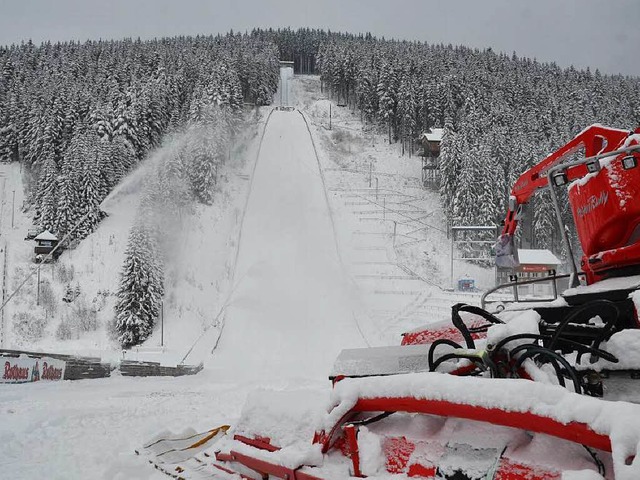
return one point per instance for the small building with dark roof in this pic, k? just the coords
(45, 243)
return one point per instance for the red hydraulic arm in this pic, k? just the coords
(594, 139)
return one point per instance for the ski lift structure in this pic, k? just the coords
(431, 151)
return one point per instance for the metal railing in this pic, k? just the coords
(514, 286)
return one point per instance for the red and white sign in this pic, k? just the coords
(24, 369)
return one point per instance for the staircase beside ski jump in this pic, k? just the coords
(396, 298)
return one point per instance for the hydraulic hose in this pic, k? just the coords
(434, 345)
(531, 350)
(591, 309)
(580, 347)
(485, 362)
(462, 327)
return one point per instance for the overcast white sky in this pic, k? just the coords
(602, 34)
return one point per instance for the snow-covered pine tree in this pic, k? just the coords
(68, 201)
(101, 119)
(126, 121)
(90, 193)
(407, 108)
(387, 98)
(54, 128)
(46, 195)
(449, 161)
(35, 138)
(205, 158)
(367, 98)
(139, 297)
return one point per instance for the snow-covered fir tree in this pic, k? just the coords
(139, 298)
(47, 194)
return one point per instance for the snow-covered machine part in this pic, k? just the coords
(603, 194)
(379, 423)
(428, 425)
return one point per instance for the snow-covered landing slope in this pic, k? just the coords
(291, 311)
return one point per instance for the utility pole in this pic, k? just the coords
(452, 242)
(395, 226)
(329, 116)
(13, 208)
(38, 288)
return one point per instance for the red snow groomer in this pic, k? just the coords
(457, 401)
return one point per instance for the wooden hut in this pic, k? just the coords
(45, 243)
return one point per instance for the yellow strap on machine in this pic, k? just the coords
(212, 433)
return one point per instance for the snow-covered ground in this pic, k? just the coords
(316, 268)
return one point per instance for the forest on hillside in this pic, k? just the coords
(79, 116)
(501, 114)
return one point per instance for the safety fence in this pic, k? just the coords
(19, 366)
(131, 368)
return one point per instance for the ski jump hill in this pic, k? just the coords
(290, 312)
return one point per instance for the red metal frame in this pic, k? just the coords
(261, 443)
(429, 335)
(510, 470)
(351, 434)
(591, 139)
(574, 431)
(262, 467)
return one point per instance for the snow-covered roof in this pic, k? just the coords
(537, 257)
(47, 236)
(433, 135)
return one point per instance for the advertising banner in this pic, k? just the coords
(25, 369)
